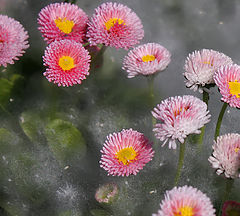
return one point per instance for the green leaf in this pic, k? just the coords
(99, 212)
(5, 91)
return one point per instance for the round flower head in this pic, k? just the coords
(125, 153)
(185, 201)
(67, 62)
(226, 155)
(146, 59)
(115, 25)
(200, 67)
(13, 40)
(179, 116)
(62, 21)
(228, 81)
(106, 193)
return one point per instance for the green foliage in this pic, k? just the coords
(99, 212)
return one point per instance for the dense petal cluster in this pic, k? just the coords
(115, 25)
(146, 59)
(179, 116)
(67, 62)
(60, 21)
(13, 40)
(125, 153)
(185, 201)
(226, 155)
(200, 67)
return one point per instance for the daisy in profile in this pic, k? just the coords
(200, 67)
(179, 116)
(146, 60)
(13, 40)
(185, 201)
(125, 153)
(226, 155)
(106, 193)
(115, 25)
(60, 21)
(67, 63)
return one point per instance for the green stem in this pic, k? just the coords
(219, 122)
(151, 95)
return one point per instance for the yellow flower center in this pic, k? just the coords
(66, 63)
(148, 58)
(111, 22)
(184, 211)
(64, 25)
(237, 150)
(208, 62)
(234, 88)
(126, 155)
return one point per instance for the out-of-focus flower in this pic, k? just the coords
(185, 201)
(146, 59)
(13, 40)
(179, 116)
(115, 25)
(106, 193)
(67, 62)
(226, 155)
(125, 153)
(200, 67)
(62, 21)
(231, 208)
(228, 81)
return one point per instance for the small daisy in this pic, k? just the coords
(115, 25)
(106, 193)
(200, 67)
(13, 40)
(228, 81)
(185, 201)
(146, 59)
(226, 155)
(179, 116)
(231, 208)
(126, 153)
(67, 62)
(62, 21)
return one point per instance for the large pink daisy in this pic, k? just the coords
(125, 153)
(115, 25)
(62, 21)
(179, 116)
(13, 40)
(185, 201)
(146, 59)
(67, 62)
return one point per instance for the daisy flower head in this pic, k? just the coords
(185, 201)
(227, 79)
(179, 116)
(200, 67)
(106, 193)
(60, 21)
(67, 62)
(13, 40)
(226, 155)
(125, 153)
(146, 59)
(115, 25)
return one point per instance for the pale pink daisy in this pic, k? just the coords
(60, 21)
(67, 62)
(115, 25)
(226, 155)
(179, 116)
(200, 67)
(13, 40)
(125, 153)
(185, 201)
(228, 81)
(106, 193)
(146, 59)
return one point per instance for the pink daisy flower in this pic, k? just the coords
(67, 62)
(115, 25)
(13, 40)
(62, 21)
(185, 201)
(106, 193)
(146, 59)
(125, 153)
(226, 155)
(228, 81)
(231, 208)
(200, 67)
(179, 116)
